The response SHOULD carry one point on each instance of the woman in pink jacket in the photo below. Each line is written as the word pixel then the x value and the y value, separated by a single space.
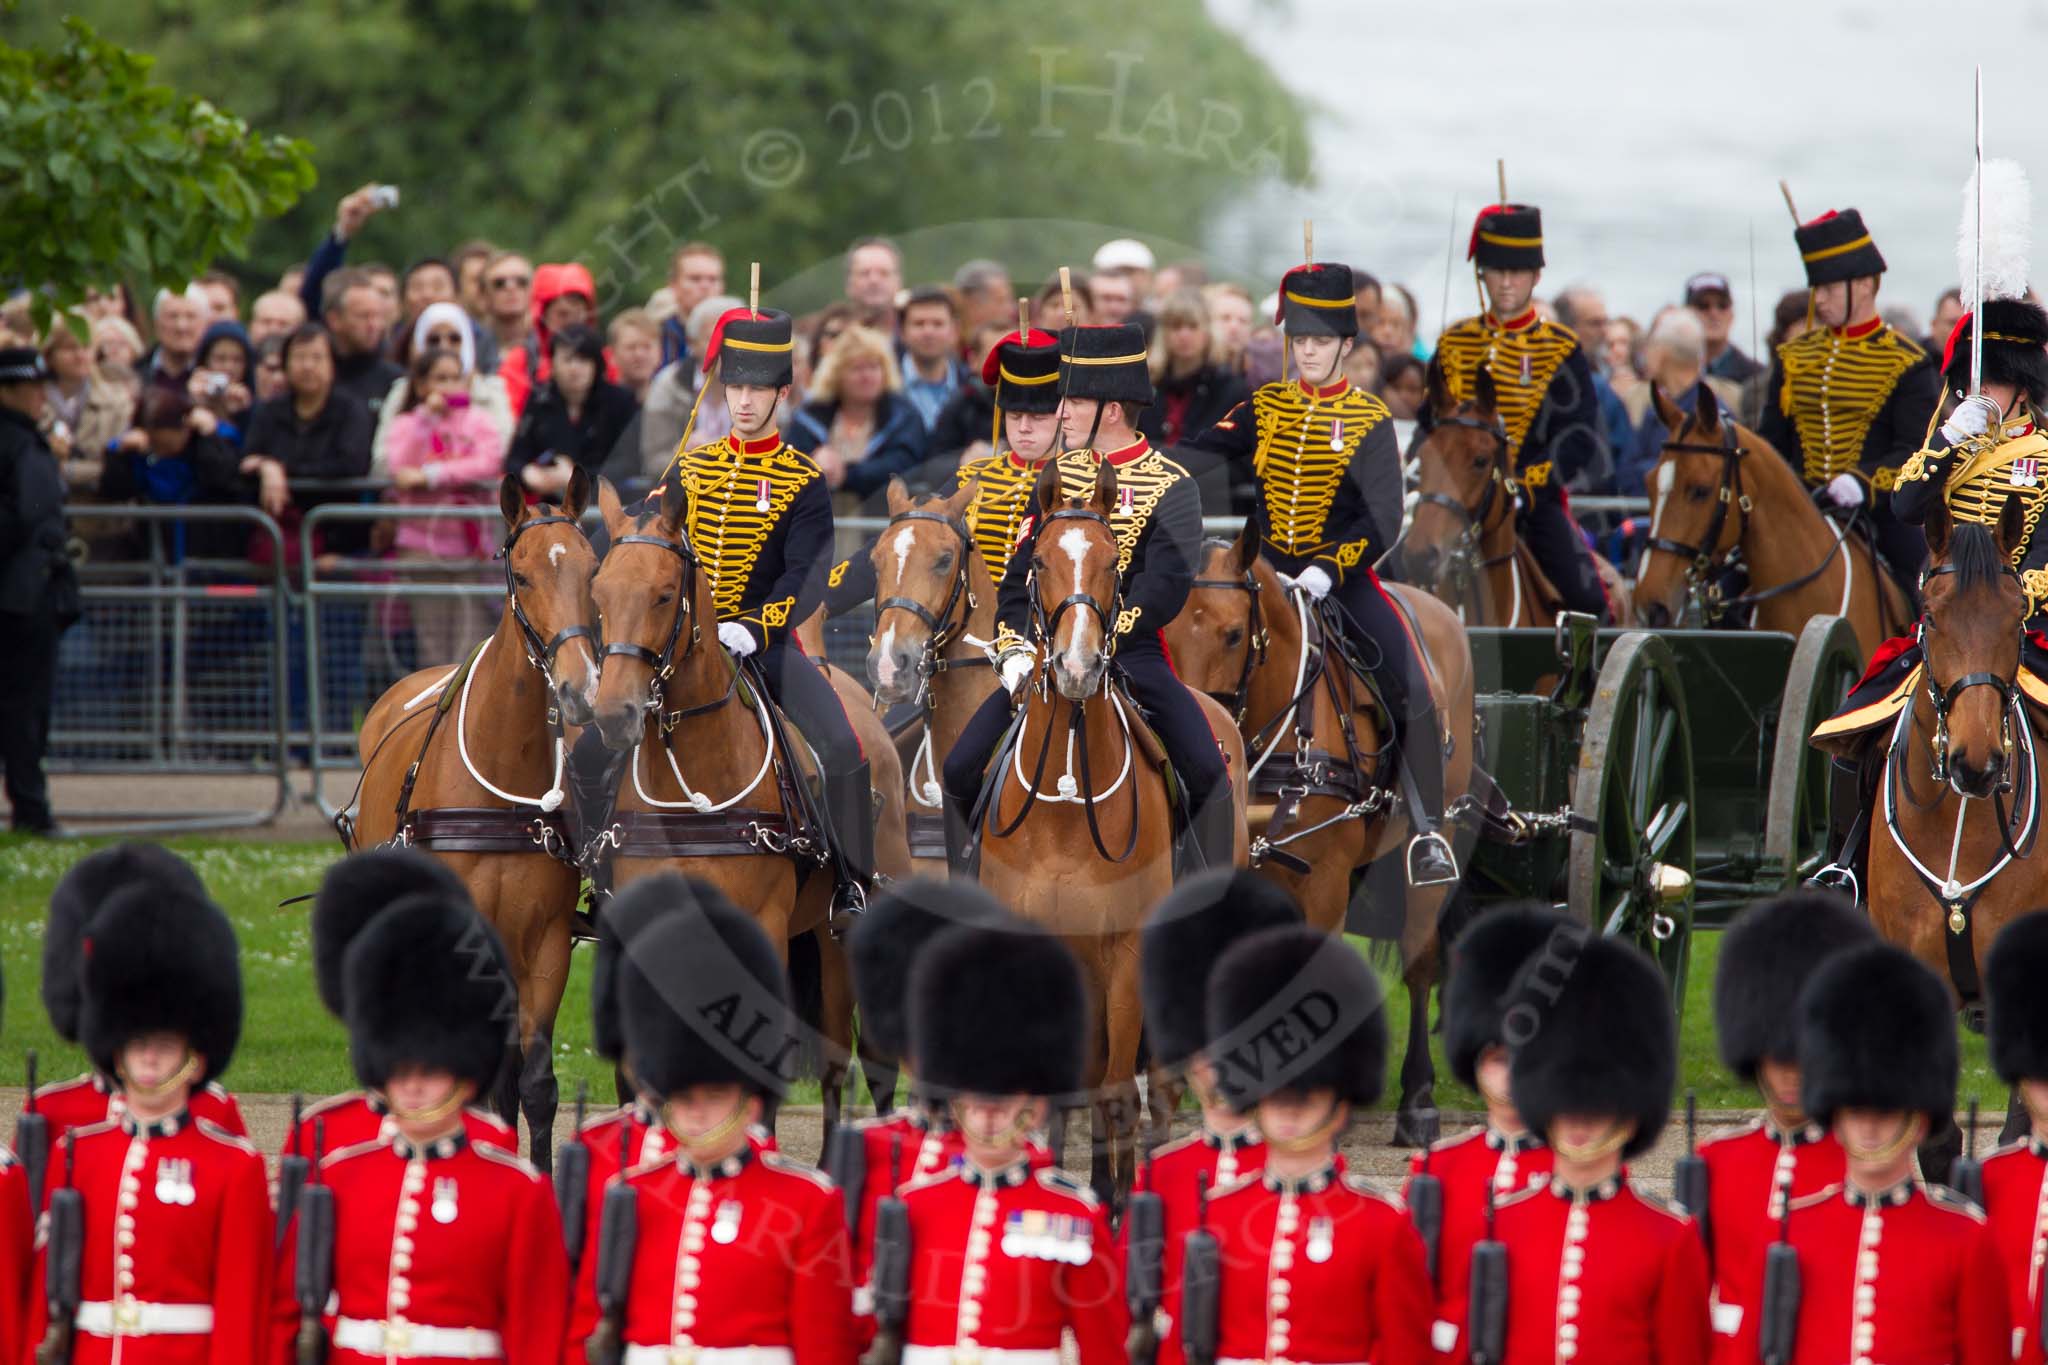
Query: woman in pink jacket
pixel 442 449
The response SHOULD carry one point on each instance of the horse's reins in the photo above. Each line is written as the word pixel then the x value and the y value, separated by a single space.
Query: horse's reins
pixel 539 653
pixel 664 662
pixel 940 626
pixel 1256 640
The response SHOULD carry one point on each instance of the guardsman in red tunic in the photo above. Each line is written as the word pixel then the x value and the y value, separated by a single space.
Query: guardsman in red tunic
pixel 1597 1273
pixel 1502 1157
pixel 2016 1175
pixel 1893 1271
pixel 1183 937
pixel 1002 1259
pixel 17 1224
pixel 1316 1265
pixel 1768 953
pixel 176 1251
pixel 93 1098
pixel 443 1248
pixel 740 1254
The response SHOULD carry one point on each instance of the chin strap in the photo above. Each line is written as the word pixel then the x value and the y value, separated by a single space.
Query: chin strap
pixel 187 1072
pixel 1616 1136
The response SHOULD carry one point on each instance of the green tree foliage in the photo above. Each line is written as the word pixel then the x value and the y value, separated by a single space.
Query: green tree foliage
pixel 778 129
pixel 104 173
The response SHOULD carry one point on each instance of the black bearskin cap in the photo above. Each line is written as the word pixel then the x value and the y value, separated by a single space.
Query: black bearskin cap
pixel 753 348
pixel 1590 1023
pixel 82 891
pixel 2015 335
pixel 1291 1010
pixel 1483 964
pixel 1877 1030
pixel 1768 954
pixel 1024 372
pixel 358 889
pixel 428 984
pixel 704 1000
pixel 1185 935
pixel 1836 246
pixel 1318 301
pixel 888 940
pixel 160 960
pixel 998 1012
pixel 1106 361
pixel 624 917
pixel 2014 973
pixel 1507 237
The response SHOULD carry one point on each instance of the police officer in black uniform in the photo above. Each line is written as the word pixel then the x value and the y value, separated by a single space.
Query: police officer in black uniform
pixel 38 587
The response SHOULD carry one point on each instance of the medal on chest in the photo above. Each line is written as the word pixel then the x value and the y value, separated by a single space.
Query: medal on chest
pixel 1336 433
pixel 1525 367
pixel 1034 1234
pixel 1125 495
pixel 2025 473
pixel 761 494
pixel 174 1181
pixel 725 1224
pixel 1322 1239
pixel 443 1208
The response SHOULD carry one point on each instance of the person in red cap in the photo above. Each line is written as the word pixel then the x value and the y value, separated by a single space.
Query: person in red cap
pixel 1549 409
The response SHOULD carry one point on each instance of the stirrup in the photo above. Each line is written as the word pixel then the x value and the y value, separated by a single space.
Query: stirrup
pixel 1835 877
pixel 849 903
pixel 1426 849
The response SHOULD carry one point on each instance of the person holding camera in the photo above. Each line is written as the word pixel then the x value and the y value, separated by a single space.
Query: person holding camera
pixel 220 381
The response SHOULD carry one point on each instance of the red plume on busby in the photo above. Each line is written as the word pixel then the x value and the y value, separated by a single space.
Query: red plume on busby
pixel 1024 372
pixel 752 347
pixel 90 884
pixel 1507 237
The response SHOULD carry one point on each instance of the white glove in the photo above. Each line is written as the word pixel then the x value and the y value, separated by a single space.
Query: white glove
pixel 1014 667
pixel 736 638
pixel 1972 417
pixel 1845 490
pixel 1314 581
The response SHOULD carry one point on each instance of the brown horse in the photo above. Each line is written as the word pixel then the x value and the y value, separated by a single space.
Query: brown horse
pixel 1078 834
pixel 1719 490
pixel 1244 638
pixel 496 768
pixel 1462 543
pixel 704 791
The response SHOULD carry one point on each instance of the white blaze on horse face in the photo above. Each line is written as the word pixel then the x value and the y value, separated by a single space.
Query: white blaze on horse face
pixel 902 545
pixel 1666 476
pixel 885 659
pixel 555 553
pixel 1074 541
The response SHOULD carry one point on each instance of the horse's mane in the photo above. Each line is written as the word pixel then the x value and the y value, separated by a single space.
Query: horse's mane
pixel 1974 554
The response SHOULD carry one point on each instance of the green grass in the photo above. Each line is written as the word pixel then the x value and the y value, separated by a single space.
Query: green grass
pixel 290 1043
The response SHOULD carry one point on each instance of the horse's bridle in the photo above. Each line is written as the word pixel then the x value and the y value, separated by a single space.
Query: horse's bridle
pixel 1238 699
pixel 940 626
pixel 664 663
pixel 1943 699
pixel 1463 561
pixel 1048 626
pixel 1700 558
pixel 539 653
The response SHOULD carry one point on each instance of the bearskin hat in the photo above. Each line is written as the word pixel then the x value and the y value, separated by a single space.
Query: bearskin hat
pixel 1770 952
pixel 704 1000
pixel 1105 361
pixel 82 891
pixel 2015 348
pixel 1319 301
pixel 1299 980
pixel 1590 1023
pixel 752 347
pixel 624 918
pixel 1876 1031
pixel 1507 237
pixel 998 1011
pixel 2018 1025
pixel 427 983
pixel 358 889
pixel 1024 372
pixel 1836 246
pixel 1484 960
pixel 161 960
pixel 887 941
pixel 1185 935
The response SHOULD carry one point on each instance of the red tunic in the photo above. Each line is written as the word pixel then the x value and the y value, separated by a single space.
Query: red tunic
pixel 1006 1259
pixel 86 1100
pixel 1602 1278
pixel 1319 1269
pixel 177 1227
pixel 456 1235
pixel 1906 1277
pixel 1473 1167
pixel 750 1253
pixel 898 1148
pixel 2016 1203
pixel 1179 1173
pixel 16 1254
pixel 1747 1173
pixel 349 1120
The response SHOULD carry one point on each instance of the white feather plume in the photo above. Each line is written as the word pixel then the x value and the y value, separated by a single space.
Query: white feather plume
pixel 2008 231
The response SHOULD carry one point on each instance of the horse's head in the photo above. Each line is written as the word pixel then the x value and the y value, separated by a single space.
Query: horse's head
pixel 646 593
pixel 1970 636
pixel 1694 510
pixel 548 568
pixel 1462 470
pixel 1219 638
pixel 922 563
pixel 1074 576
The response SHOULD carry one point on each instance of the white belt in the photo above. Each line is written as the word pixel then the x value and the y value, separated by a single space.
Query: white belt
pixel 1727 1317
pixel 979 1355
pixel 416 1341
pixel 709 1355
pixel 1443 1336
pixel 132 1319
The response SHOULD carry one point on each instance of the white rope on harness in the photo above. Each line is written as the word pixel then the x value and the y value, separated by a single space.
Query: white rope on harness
pixel 549 800
pixel 1951 889
pixel 1515 590
pixel 433 689
pixel 1069 792
pixel 696 800
pixel 1848 574
pixel 1299 596
pixel 924 787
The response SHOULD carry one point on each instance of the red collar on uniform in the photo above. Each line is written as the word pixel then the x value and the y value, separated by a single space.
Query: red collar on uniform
pixel 1859 331
pixel 1016 462
pixel 1123 457
pixel 1517 324
pixel 756 447
pixel 1327 391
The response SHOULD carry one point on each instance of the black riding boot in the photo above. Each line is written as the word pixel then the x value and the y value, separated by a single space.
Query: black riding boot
pixel 1212 827
pixel 850 805
pixel 963 850
pixel 1854 784
pixel 1431 860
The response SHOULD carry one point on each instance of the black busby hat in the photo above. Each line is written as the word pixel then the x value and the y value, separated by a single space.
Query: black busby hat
pixel 998 1011
pixel 1105 362
pixel 1768 954
pixel 752 346
pixel 704 1001
pixel 358 889
pixel 1181 941
pixel 1507 237
pixel 89 884
pixel 887 941
pixel 22 365
pixel 1318 301
pixel 1298 981
pixel 624 918
pixel 1590 1023
pixel 427 983
pixel 161 961
pixel 2015 348
pixel 1836 246
pixel 1484 960
pixel 1024 372
pixel 2018 1025
pixel 1876 1031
